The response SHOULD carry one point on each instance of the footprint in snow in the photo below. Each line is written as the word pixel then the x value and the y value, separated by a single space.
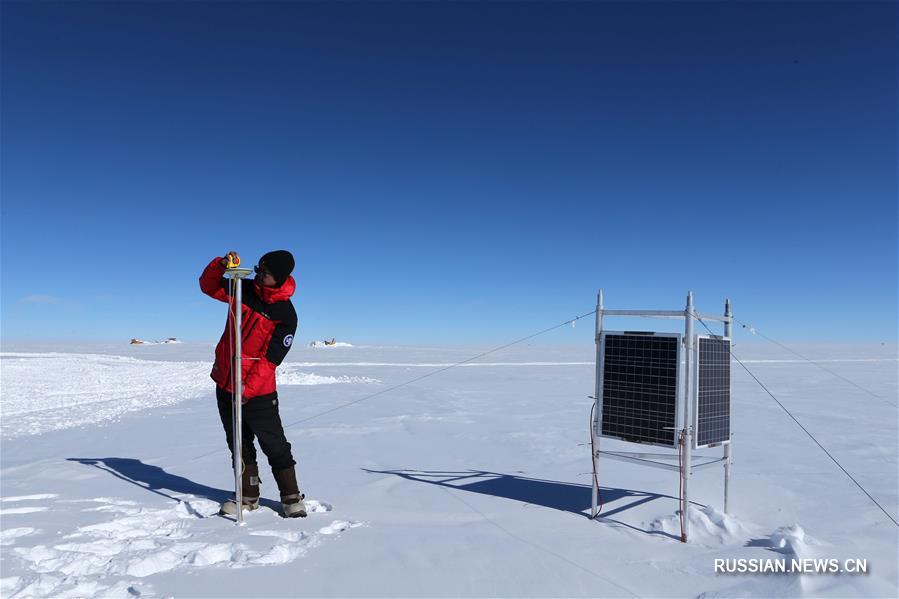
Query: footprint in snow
pixel 313 506
pixel 338 526
pixel 140 541
pixel 288 535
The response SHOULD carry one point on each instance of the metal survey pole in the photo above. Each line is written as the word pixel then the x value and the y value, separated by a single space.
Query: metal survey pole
pixel 688 399
pixel 728 460
pixel 236 274
pixel 597 407
pixel 236 404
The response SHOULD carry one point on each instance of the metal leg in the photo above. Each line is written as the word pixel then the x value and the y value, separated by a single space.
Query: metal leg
pixel 728 459
pixel 727 465
pixel 597 410
pixel 688 399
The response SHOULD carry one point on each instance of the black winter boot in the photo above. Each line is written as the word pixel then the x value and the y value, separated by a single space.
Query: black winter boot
pixel 249 489
pixel 291 499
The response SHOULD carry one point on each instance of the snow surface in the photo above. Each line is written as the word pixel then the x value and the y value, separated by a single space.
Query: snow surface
pixel 50 391
pixel 472 482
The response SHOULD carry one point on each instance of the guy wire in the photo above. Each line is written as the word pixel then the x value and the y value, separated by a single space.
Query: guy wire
pixel 424 376
pixel 755 331
pixel 438 371
pixel 805 430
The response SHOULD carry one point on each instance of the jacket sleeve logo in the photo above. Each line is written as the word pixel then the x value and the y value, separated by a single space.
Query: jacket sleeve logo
pixel 288 340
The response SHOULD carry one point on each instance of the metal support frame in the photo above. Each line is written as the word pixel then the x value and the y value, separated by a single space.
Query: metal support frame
pixel 597 409
pixel 642 459
pixel 690 387
pixel 236 274
pixel 687 436
pixel 728 458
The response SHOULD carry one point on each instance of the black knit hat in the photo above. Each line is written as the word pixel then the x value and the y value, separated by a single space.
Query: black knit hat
pixel 280 263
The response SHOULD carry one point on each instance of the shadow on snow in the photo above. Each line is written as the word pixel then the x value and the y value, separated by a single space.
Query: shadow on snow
pixel 565 497
pixel 156 480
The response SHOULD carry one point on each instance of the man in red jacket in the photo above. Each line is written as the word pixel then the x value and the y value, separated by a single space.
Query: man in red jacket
pixel 268 324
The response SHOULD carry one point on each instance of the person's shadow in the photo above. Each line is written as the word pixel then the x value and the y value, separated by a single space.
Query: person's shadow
pixel 156 480
pixel 567 497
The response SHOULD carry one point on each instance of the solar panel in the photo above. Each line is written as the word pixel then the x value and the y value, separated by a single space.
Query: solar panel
pixel 712 413
pixel 639 386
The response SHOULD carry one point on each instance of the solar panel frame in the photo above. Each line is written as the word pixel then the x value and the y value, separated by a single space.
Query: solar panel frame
pixel 711 429
pixel 610 416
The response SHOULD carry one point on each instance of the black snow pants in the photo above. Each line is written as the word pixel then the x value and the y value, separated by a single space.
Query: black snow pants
pixel 262 421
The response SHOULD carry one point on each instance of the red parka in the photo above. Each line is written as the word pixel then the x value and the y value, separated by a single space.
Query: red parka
pixel 268 324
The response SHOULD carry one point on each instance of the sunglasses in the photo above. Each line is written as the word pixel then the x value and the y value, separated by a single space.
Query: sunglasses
pixel 261 270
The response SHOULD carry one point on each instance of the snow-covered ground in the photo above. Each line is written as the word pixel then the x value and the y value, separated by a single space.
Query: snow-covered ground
pixel 471 482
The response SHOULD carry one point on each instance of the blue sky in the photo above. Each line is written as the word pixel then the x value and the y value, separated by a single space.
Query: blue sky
pixel 450 172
